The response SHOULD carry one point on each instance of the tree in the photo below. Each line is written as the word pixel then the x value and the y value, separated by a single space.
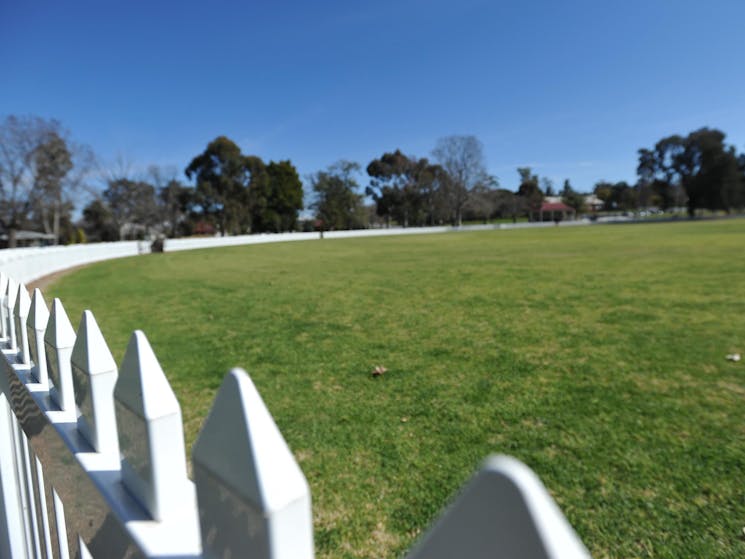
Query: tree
pixel 176 201
pixel 462 159
pixel 276 195
pixel 41 171
pixel 548 186
pixel 337 203
pixel 222 176
pixel 404 188
pixel 699 164
pixel 529 190
pixel 709 172
pixel 132 206
pixel 52 162
pixel 617 196
pixel 287 193
pixel 98 222
pixel 572 198
pixel 483 202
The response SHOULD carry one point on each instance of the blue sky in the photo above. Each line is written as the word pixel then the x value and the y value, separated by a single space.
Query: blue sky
pixel 571 88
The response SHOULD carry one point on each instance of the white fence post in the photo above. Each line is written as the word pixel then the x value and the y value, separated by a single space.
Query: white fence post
pixel 59 340
pixel 12 540
pixel 21 310
pixel 3 311
pixel 504 511
pixel 151 433
pixel 94 376
pixel 9 302
pixel 253 498
pixel 36 326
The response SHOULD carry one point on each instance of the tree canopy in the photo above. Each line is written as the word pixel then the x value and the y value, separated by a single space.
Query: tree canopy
pixel 337 204
pixel 404 188
pixel 221 177
pixel 241 193
pixel 700 164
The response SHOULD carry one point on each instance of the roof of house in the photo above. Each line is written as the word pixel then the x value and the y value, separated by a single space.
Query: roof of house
pixel 23 235
pixel 555 207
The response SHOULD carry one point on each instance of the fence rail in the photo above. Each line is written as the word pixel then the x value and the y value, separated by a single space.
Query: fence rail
pixel 28 264
pixel 92 462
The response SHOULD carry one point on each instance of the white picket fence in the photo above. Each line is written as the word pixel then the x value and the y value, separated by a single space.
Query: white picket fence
pixel 27 264
pixel 92 463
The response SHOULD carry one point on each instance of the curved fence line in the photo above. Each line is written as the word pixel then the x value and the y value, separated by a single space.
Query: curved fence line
pixel 29 264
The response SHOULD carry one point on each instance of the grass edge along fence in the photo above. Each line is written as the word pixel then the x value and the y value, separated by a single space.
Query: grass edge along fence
pixel 32 263
pixel 92 462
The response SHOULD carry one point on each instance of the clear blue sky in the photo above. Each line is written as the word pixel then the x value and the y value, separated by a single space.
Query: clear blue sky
pixel 572 88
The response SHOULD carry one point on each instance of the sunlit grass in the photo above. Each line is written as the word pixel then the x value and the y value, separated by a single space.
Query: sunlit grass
pixel 595 355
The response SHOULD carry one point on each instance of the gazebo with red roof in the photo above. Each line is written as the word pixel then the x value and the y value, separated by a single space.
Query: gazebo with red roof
pixel 555 211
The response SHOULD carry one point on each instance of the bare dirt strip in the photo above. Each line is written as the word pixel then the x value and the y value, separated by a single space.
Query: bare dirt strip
pixel 45 281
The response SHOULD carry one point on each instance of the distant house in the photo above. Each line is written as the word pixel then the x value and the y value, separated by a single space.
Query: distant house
pixel 28 239
pixel 593 203
pixel 553 211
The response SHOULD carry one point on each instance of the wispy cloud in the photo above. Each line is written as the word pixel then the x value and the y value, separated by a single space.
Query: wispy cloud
pixel 280 129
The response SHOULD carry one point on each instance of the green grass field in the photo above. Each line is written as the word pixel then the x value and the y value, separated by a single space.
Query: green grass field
pixel 596 355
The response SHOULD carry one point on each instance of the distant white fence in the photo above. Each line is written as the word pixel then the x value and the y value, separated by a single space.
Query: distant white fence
pixel 28 264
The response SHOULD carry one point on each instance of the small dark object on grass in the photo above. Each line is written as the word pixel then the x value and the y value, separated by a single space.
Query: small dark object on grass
pixel 157 245
pixel 379 370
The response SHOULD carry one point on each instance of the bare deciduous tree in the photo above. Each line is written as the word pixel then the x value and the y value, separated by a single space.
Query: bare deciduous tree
pixel 41 173
pixel 462 158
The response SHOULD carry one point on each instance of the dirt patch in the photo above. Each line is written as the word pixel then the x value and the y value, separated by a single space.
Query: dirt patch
pixel 45 281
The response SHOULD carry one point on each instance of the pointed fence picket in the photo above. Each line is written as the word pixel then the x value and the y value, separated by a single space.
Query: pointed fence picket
pixel 92 463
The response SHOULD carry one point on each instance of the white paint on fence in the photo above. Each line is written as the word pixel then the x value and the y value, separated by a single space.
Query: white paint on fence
pixel 526 524
pixel 269 499
pixel 94 377
pixel 9 302
pixel 92 463
pixel 28 264
pixel 21 310
pixel 59 340
pixel 36 326
pixel 151 433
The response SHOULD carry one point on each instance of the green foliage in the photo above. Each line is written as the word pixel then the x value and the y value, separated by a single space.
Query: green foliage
pixel 617 196
pixel 241 193
pixel 405 189
pixel 572 198
pixel 98 222
pixel 284 198
pixel 701 165
pixel 338 204
pixel 529 190
pixel 595 355
pixel 222 179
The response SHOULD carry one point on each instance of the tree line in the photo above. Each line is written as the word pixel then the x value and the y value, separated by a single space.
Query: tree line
pixel 45 176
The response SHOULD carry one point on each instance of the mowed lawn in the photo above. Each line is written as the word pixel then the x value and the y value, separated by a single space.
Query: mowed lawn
pixel 596 355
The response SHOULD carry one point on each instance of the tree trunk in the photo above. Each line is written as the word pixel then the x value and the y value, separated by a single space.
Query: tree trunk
pixel 12 243
pixel 56 222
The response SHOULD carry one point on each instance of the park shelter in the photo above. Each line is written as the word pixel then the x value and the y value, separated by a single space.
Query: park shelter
pixel 28 239
pixel 554 211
